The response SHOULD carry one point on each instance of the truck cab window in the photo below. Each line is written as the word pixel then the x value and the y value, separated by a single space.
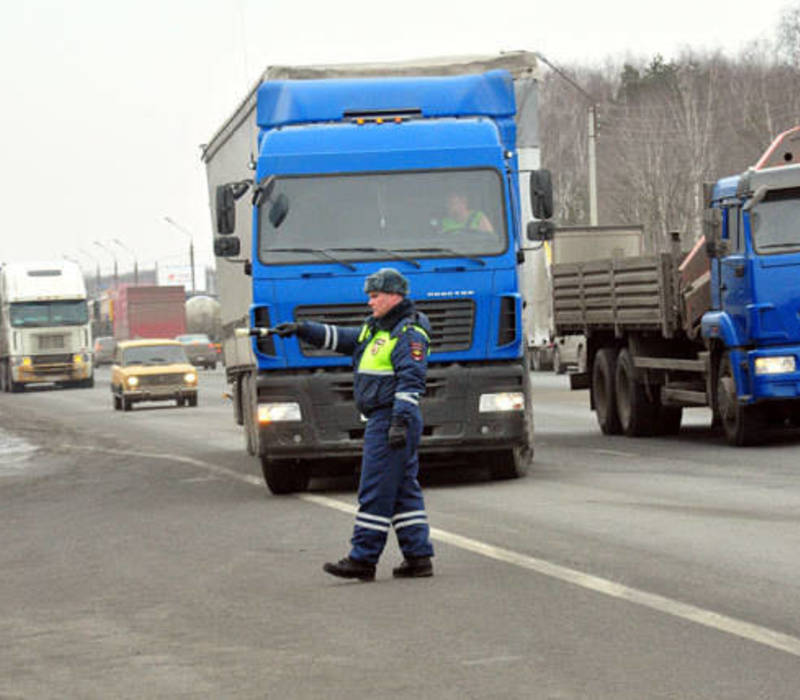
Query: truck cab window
pixel 774 223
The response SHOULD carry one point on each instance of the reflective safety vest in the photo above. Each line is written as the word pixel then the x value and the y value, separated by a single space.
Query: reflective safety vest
pixel 472 222
pixel 376 358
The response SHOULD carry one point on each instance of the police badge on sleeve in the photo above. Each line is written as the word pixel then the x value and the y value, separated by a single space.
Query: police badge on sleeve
pixel 417 351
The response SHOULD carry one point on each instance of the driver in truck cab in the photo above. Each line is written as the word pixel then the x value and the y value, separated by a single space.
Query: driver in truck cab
pixel 390 357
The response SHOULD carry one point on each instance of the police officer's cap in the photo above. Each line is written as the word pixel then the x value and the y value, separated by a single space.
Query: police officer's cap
pixel 388 280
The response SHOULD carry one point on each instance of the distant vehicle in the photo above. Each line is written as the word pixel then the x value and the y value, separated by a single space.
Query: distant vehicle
pixel 152 370
pixel 149 312
pixel 199 349
pixel 104 350
pixel 569 351
pixel 45 334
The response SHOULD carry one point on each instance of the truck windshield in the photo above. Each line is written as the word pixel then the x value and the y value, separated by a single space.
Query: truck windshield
pixel 775 222
pixel 48 313
pixel 383 216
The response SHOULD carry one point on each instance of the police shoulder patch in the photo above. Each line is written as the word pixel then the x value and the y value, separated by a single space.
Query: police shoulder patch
pixel 417 351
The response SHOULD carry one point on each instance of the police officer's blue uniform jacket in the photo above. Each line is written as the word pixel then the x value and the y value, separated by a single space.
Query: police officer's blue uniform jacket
pixel 390 357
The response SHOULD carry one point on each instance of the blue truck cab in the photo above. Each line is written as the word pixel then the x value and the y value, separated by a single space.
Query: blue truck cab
pixel 754 321
pixel 352 175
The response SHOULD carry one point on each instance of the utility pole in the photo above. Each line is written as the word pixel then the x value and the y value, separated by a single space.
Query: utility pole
pixel 114 258
pixel 592 139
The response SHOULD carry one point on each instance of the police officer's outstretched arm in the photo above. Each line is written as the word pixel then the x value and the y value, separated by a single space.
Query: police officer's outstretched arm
pixel 341 339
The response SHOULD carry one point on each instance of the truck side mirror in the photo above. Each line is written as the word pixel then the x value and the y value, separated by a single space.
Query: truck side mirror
pixel 541 194
pixel 228 247
pixel 226 210
pixel 712 231
pixel 540 230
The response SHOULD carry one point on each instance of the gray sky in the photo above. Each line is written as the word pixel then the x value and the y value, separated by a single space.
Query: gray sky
pixel 105 102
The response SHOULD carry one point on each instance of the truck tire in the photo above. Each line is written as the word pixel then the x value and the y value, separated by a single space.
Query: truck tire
pixel 127 404
pixel 116 401
pixel 509 464
pixel 237 400
pixel 603 391
pixel 249 418
pixel 284 476
pixel 637 414
pixel 743 425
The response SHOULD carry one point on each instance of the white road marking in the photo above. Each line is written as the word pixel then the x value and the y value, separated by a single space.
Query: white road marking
pixel 617 453
pixel 707 618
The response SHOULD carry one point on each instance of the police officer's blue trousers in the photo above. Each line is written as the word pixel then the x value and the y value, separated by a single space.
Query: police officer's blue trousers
pixel 389 494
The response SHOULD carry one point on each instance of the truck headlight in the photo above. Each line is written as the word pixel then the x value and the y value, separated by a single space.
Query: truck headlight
pixel 190 377
pixel 80 358
pixel 505 401
pixel 279 412
pixel 784 364
pixel 133 381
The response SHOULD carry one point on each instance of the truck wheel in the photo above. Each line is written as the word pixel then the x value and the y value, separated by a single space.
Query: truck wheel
pixel 285 475
pixel 558 366
pixel 637 415
pixel 117 402
pixel 249 418
pixel 743 425
pixel 603 392
pixel 192 400
pixel 127 404
pixel 236 388
pixel 509 464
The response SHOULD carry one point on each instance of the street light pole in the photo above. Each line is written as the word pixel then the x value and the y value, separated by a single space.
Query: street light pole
pixel 114 258
pixel 135 261
pixel 191 245
pixel 97 270
pixel 592 139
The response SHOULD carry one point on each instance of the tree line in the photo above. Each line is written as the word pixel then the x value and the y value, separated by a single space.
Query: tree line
pixel 665 127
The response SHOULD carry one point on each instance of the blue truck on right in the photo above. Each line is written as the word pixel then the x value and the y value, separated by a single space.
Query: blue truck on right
pixel 718 326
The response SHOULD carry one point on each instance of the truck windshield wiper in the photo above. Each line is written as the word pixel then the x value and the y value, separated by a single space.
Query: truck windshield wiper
pixel 388 251
pixel 452 252
pixel 313 251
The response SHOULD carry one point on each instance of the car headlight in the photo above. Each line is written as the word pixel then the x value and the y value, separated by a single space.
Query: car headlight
pixel 783 364
pixel 505 401
pixel 133 381
pixel 278 412
pixel 190 377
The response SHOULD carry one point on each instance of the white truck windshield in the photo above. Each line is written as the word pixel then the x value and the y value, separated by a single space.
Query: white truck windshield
pixel 48 313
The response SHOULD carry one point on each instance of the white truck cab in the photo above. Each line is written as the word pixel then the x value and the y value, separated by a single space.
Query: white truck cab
pixel 45 334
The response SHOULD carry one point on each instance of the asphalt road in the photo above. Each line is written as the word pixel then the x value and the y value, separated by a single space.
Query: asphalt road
pixel 143 557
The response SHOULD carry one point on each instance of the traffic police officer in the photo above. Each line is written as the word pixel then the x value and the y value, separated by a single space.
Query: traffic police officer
pixel 390 357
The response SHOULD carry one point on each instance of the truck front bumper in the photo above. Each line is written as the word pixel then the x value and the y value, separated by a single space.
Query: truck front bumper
pixel 770 386
pixel 331 426
pixel 37 373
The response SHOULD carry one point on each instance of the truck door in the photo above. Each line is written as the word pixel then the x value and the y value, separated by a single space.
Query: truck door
pixel 734 278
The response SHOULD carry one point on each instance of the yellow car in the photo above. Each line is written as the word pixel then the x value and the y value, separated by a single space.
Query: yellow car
pixel 152 370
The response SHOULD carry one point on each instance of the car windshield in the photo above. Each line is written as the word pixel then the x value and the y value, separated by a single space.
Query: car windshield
pixel 384 216
pixel 775 223
pixel 49 313
pixel 196 338
pixel 153 355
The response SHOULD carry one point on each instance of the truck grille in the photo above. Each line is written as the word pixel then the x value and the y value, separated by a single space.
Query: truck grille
pixel 55 341
pixel 52 359
pixel 452 322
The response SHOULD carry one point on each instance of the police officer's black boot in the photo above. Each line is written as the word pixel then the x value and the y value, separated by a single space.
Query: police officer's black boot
pixel 351 568
pixel 414 567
